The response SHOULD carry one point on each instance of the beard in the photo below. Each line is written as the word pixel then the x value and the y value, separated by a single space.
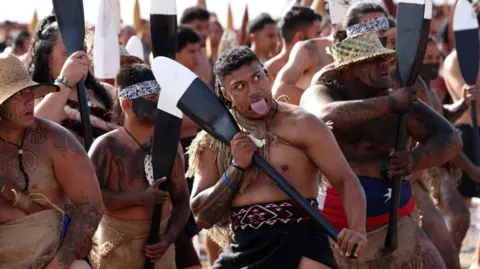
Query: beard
pixel 145 110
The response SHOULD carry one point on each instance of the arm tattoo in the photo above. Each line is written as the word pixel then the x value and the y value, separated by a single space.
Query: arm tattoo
pixel 101 161
pixel 440 142
pixel 64 141
pixel 345 114
pixel 77 243
pixel 210 204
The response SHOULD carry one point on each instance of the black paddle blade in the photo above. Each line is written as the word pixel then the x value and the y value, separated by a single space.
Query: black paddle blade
pixel 163 25
pixel 465 27
pixel 71 22
pixel 410 33
pixel 183 91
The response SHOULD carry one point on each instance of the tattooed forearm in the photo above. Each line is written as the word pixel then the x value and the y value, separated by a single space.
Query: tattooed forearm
pixel 440 142
pixel 345 114
pixel 210 204
pixel 454 111
pixel 77 243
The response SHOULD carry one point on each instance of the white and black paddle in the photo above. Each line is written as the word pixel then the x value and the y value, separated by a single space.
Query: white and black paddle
pixel 166 133
pixel 71 22
pixel 183 92
pixel 413 23
pixel 465 29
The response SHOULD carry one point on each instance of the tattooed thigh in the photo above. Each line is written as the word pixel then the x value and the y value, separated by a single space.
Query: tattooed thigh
pixel 428 256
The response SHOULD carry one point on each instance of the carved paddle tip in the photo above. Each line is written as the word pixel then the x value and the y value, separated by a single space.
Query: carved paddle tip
pixel 174 79
pixel 163 7
pixel 464 17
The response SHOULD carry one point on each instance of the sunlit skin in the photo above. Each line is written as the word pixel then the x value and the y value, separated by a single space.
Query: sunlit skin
pixel 188 56
pixel 432 54
pixel 215 34
pixel 17 111
pixel 245 86
pixel 265 41
pixel 202 28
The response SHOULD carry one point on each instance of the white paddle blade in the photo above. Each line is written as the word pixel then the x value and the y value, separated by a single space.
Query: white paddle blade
pixel 174 79
pixel 135 47
pixel 106 51
pixel 163 7
pixel 116 14
pixel 338 9
pixel 418 2
pixel 428 10
pixel 464 17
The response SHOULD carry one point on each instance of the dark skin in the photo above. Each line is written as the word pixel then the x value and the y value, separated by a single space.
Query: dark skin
pixel 57 166
pixel 299 162
pixel 119 163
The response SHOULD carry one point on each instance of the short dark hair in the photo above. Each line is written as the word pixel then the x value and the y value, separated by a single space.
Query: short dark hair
pixel 127 76
pixel 186 35
pixel 259 22
pixel 297 18
pixel 361 8
pixel 194 13
pixel 20 38
pixel 229 61
pixel 392 23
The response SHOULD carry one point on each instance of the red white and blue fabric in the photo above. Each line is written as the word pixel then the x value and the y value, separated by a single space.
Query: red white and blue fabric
pixel 378 193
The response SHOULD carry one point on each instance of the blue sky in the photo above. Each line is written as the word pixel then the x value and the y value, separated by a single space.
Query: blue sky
pixel 22 10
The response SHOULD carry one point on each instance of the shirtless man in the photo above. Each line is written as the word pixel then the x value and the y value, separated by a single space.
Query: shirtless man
pixel 46 179
pixel 354 95
pixel 297 145
pixel 121 158
pixel 299 24
pixel 199 19
pixel 264 36
pixel 307 58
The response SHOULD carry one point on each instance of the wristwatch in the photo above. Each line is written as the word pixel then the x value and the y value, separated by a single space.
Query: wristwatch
pixel 64 81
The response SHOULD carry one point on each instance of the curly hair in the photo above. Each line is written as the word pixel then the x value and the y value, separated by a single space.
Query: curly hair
pixel 38 62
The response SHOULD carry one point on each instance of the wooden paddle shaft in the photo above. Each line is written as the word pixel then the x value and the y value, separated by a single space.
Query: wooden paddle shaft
pixel 84 115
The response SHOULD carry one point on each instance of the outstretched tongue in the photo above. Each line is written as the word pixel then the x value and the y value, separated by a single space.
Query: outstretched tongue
pixel 260 107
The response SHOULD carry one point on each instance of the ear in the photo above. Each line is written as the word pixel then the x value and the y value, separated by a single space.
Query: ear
pixel 225 94
pixel 299 36
pixel 126 106
pixel 253 37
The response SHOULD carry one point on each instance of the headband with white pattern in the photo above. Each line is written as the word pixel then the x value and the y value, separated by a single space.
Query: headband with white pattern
pixel 140 89
pixel 373 25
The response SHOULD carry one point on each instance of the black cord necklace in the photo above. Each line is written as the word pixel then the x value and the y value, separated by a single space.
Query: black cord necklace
pixel 20 158
pixel 144 149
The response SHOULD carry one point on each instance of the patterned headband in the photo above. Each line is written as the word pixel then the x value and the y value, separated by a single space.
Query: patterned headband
pixel 140 89
pixel 373 25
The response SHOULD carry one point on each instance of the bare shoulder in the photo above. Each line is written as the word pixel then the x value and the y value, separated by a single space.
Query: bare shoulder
pixel 451 60
pixel 60 139
pixel 104 141
pixel 318 95
pixel 301 119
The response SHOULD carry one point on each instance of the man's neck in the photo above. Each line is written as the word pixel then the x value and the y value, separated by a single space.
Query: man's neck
pixel 286 49
pixel 262 55
pixel 9 132
pixel 141 132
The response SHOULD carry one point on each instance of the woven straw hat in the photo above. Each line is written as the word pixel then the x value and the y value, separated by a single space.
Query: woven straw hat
pixel 355 49
pixel 14 78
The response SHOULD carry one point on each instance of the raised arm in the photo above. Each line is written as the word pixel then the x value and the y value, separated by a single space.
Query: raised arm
pixel 440 142
pixel 323 150
pixel 287 78
pixel 327 105
pixel 76 176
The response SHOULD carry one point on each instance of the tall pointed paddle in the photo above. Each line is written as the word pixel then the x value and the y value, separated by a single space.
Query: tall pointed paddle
pixel 71 22
pixel 183 91
pixel 465 27
pixel 413 22
pixel 166 133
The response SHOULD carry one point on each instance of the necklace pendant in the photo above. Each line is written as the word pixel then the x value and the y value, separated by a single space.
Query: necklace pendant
pixel 89 104
pixel 20 151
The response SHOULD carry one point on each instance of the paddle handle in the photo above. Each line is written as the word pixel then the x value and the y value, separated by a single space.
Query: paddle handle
pixel 84 114
pixel 298 198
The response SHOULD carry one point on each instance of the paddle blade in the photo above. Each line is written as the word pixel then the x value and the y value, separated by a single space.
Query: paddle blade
pixel 183 91
pixel 106 51
pixel 71 22
pixel 465 27
pixel 135 47
pixel 412 34
pixel 163 25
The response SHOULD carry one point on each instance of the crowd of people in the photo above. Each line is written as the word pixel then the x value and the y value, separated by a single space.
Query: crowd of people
pixel 323 99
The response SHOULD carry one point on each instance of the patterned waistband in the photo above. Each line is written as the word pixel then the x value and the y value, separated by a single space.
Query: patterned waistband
pixel 269 214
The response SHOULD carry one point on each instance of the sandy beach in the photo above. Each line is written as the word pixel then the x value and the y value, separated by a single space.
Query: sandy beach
pixel 473 235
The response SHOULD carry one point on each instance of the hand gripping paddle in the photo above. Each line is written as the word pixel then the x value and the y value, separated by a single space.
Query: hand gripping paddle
pixel 183 91
pixel 413 23
pixel 71 22
pixel 465 29
pixel 166 133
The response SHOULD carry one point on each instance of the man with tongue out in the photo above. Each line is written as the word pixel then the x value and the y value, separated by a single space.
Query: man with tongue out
pixel 269 230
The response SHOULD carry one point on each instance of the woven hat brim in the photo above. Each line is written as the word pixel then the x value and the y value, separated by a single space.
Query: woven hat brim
pixel 39 90
pixel 330 72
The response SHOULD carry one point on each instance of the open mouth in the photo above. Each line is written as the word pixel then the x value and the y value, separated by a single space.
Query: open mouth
pixel 259 106
pixel 29 114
